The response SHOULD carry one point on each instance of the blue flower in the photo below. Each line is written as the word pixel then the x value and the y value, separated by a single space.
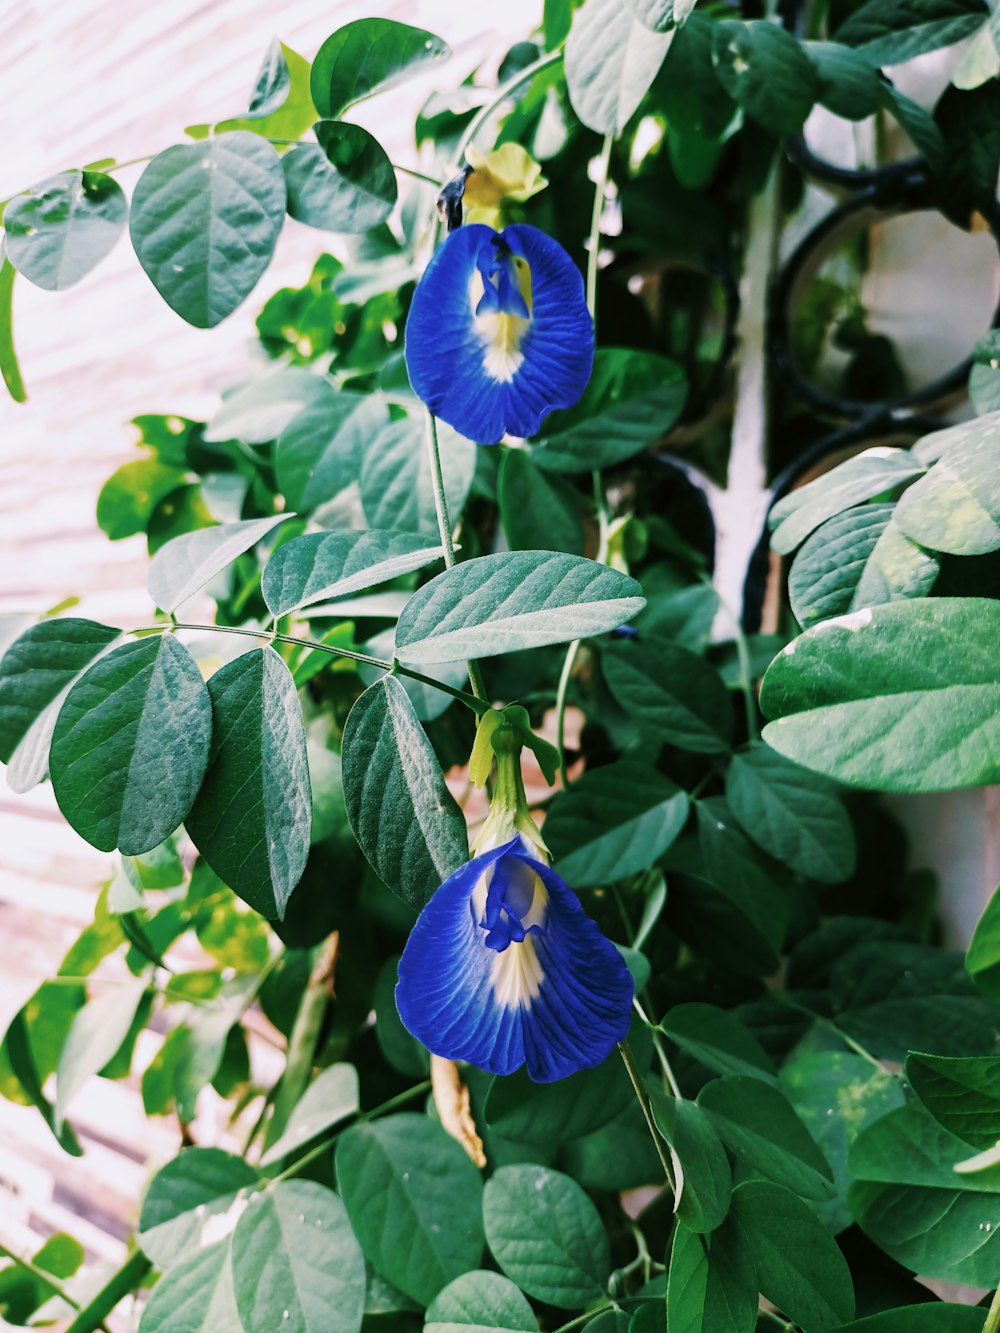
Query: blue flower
pixel 499 333
pixel 504 968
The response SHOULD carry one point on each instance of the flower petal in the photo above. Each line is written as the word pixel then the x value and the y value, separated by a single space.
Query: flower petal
pixel 487 391
pixel 584 1004
pixel 445 994
pixel 559 999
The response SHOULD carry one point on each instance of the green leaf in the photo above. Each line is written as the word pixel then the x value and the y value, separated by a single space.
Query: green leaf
pixel 799 1267
pixel 415 1201
pixel 397 488
pixel 333 564
pixel 9 368
pixel 956 507
pixel 852 483
pixel 537 512
pixel 546 1235
pixel 367 57
pixel 792 814
pixel 272 84
pixel 631 400
pixel 36 673
pixel 320 449
pixel 513 600
pixel 757 1123
pixel 131 494
pixel 908 1198
pixel 689 90
pixel 98 1030
pixel 185 564
pixel 982 961
pixel 547 1113
pixel 205 221
pixel 296 1263
pixel 836 1095
pixel 827 569
pixel 705 1178
pixel 331 1097
pixel 670 690
pixel 195 1296
pixel 344 183
pixel 23 1045
pixel 984 377
pixel 718 1040
pixel 890 32
pixel 731 860
pixel 260 409
pixel 480 1302
pixel 64 227
pixel 849 85
pixel 252 817
pixel 961 1093
pixel 711 1282
pixel 292 117
pixel 894 996
pixel 185 1199
pixel 660 15
pixel 767 72
pixel 613 822
pixel 130 745
pixel 903 697
pixel 404 818
pixel 966 175
pixel 931 1317
pixel 611 61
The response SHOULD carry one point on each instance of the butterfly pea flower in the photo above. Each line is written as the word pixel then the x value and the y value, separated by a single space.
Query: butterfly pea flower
pixel 504 968
pixel 499 333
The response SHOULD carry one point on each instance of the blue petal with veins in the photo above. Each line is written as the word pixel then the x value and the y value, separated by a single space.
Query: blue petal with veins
pixel 499 334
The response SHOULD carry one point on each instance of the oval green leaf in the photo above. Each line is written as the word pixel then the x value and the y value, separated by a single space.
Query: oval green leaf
pixel 272 84
pixel 404 818
pixel 185 564
pixel 367 57
pixel 767 72
pixel 632 399
pixel 513 600
pixel 611 61
pixel 415 1201
pixel 904 697
pixel 98 1030
pixel 955 508
pixel 344 183
pixel 757 1123
pixel 36 673
pixel 546 1235
pixel 670 690
pixel 799 1265
pixel 205 220
pixel 397 488
pixel 712 1282
pixel 296 1263
pixel 793 814
pixel 613 822
pixel 480 1302
pixel 64 227
pixel 185 1197
pixel 196 1296
pixel 705 1176
pixel 130 745
pixel 252 818
pixel 320 449
pixel 333 564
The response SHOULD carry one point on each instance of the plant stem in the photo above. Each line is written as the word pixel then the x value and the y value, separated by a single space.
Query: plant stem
pixel 845 1037
pixel 600 188
pixel 668 1073
pixel 992 1324
pixel 417 175
pixel 304 1039
pixel 393 668
pixel 584 1318
pixel 40 1275
pixel 127 1278
pixel 444 528
pixel 647 1111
